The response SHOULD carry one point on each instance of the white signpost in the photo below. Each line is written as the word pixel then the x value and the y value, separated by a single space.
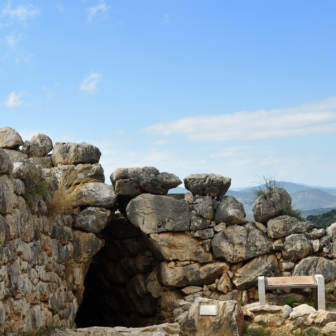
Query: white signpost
pixel 208 310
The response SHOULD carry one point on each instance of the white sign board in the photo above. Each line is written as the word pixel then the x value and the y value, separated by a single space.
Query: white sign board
pixel 208 310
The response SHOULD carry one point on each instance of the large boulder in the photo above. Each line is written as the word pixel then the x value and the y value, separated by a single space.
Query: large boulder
pixel 40 145
pixel 7 195
pixel 73 153
pixel 230 211
pixel 178 246
pixel 191 275
pixel 6 165
pixel 316 265
pixel 297 246
pixel 135 181
pixel 9 138
pixel 97 194
pixel 203 205
pixel 86 245
pixel 237 243
pixel 16 155
pixel 92 219
pixel 156 213
pixel 269 206
pixel 229 319
pixel 76 174
pixel 207 184
pixel 286 225
pixel 247 276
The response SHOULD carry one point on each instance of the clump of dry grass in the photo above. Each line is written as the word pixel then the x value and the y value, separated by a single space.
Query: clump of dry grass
pixel 68 193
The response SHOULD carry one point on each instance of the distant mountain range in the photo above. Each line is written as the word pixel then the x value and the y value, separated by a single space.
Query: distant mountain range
pixel 311 200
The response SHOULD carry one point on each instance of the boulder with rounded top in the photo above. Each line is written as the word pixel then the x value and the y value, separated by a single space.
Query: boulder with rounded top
pixel 230 211
pixel 40 145
pixel 9 138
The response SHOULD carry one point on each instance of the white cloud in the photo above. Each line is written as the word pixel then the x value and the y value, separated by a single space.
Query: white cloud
pixel 21 12
pixel 92 11
pixel 89 84
pixel 310 119
pixel 14 100
pixel 60 9
pixel 13 39
pixel 165 19
pixel 161 142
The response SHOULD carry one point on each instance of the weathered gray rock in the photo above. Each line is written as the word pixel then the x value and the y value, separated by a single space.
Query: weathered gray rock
pixel 316 234
pixel 230 211
pixel 203 205
pixel 247 276
pixel 40 145
pixel 266 208
pixel 190 275
pixel 213 185
pixel 204 234
pixel 65 153
pixel 297 246
pixel 76 174
pixel 16 155
pixel 178 246
pixel 97 194
pixel 6 165
pixel 92 219
pixel 86 245
pixel 285 225
pixel 331 231
pixel 224 284
pixel 9 138
pixel 198 223
pixel 135 181
pixel 237 243
pixel 229 320
pixel 156 213
pixel 316 265
pixel 7 195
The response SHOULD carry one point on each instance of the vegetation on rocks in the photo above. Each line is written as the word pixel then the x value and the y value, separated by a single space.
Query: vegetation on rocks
pixel 324 220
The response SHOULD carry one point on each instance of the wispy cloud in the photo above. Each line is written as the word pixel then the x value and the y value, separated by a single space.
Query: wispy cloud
pixel 13 39
pixel 165 19
pixel 309 119
pixel 89 84
pixel 14 99
pixel 21 12
pixel 60 9
pixel 23 59
pixel 100 8
pixel 161 142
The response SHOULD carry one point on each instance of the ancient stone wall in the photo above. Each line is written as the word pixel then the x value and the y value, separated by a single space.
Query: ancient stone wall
pixel 130 254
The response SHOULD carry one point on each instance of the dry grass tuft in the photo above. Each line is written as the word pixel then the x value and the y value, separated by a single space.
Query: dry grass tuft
pixel 68 193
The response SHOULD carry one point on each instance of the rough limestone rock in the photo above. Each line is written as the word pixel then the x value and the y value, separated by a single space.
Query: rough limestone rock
pixel 316 234
pixel 76 174
pixel 316 265
pixel 7 195
pixel 135 181
pixel 16 155
pixel 178 246
pixel 86 245
pixel 73 153
pixel 229 320
pixel 166 329
pixel 198 223
pixel 237 243
pixel 224 284
pixel 190 275
pixel 9 138
pixel 6 165
pixel 156 213
pixel 97 194
pixel 40 145
pixel 297 246
pixel 266 208
pixel 286 225
pixel 168 301
pixel 92 219
pixel 230 211
pixel 203 205
pixel 213 185
pixel 247 276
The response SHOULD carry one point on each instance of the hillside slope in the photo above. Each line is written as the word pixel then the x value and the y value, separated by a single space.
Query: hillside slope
pixel 312 199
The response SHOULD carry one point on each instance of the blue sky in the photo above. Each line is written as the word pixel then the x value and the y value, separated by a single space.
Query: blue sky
pixel 242 88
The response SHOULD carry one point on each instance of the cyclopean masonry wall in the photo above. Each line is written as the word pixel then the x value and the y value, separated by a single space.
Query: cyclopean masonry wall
pixel 133 255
